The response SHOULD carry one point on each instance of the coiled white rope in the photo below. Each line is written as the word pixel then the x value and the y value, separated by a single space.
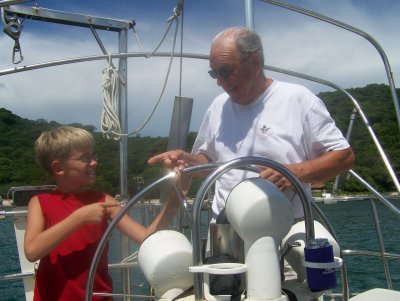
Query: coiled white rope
pixel 110 124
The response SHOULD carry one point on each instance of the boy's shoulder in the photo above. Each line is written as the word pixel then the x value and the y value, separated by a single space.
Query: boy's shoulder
pixel 85 197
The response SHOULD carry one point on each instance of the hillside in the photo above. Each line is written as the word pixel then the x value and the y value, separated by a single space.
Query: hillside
pixel 17 136
pixel 377 104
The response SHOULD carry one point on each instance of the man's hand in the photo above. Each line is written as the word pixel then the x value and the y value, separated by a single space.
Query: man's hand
pixel 275 177
pixel 278 179
pixel 175 160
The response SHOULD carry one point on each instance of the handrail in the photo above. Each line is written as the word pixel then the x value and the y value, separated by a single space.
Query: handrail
pixel 16 276
pixel 376 193
pixel 381 245
pixel 13 213
pixel 371 253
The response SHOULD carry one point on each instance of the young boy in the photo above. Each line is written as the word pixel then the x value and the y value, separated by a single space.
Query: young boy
pixel 65 226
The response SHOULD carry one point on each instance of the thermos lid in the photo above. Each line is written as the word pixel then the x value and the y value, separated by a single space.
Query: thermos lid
pixel 318 243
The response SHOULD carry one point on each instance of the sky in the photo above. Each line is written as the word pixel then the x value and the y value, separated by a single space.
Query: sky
pixel 73 93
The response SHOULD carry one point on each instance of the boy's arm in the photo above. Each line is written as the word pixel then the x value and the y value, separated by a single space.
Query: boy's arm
pixel 137 232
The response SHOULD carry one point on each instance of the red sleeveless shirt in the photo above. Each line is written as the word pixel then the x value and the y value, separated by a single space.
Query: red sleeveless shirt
pixel 63 274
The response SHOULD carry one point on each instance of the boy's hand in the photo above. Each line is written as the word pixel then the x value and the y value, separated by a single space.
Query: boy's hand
pixel 95 213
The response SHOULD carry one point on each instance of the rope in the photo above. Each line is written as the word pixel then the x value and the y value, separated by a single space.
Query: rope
pixel 110 125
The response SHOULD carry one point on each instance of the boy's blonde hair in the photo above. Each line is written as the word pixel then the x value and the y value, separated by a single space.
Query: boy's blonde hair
pixel 59 143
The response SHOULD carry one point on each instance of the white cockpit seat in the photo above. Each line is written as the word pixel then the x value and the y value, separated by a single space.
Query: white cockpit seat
pixel 377 294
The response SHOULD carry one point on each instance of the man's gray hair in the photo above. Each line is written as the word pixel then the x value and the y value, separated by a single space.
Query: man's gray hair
pixel 247 41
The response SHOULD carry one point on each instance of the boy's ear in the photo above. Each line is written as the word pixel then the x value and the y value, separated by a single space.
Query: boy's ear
pixel 57 167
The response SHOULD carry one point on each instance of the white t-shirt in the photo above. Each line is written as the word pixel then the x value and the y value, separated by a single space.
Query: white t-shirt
pixel 287 123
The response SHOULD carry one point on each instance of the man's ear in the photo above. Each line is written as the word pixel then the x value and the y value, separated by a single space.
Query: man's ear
pixel 255 61
pixel 57 167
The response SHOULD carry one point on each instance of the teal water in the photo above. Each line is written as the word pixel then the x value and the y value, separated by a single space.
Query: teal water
pixel 353 226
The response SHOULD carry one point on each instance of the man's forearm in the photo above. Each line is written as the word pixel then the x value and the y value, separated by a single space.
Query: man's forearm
pixel 325 167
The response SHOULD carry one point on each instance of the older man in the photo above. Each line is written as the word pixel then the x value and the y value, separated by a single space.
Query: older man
pixel 260 116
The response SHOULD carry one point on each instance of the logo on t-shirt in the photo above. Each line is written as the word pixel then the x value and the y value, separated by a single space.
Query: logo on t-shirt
pixel 264 131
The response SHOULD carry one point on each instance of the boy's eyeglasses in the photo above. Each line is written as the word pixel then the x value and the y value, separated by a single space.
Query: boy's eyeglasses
pixel 86 158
